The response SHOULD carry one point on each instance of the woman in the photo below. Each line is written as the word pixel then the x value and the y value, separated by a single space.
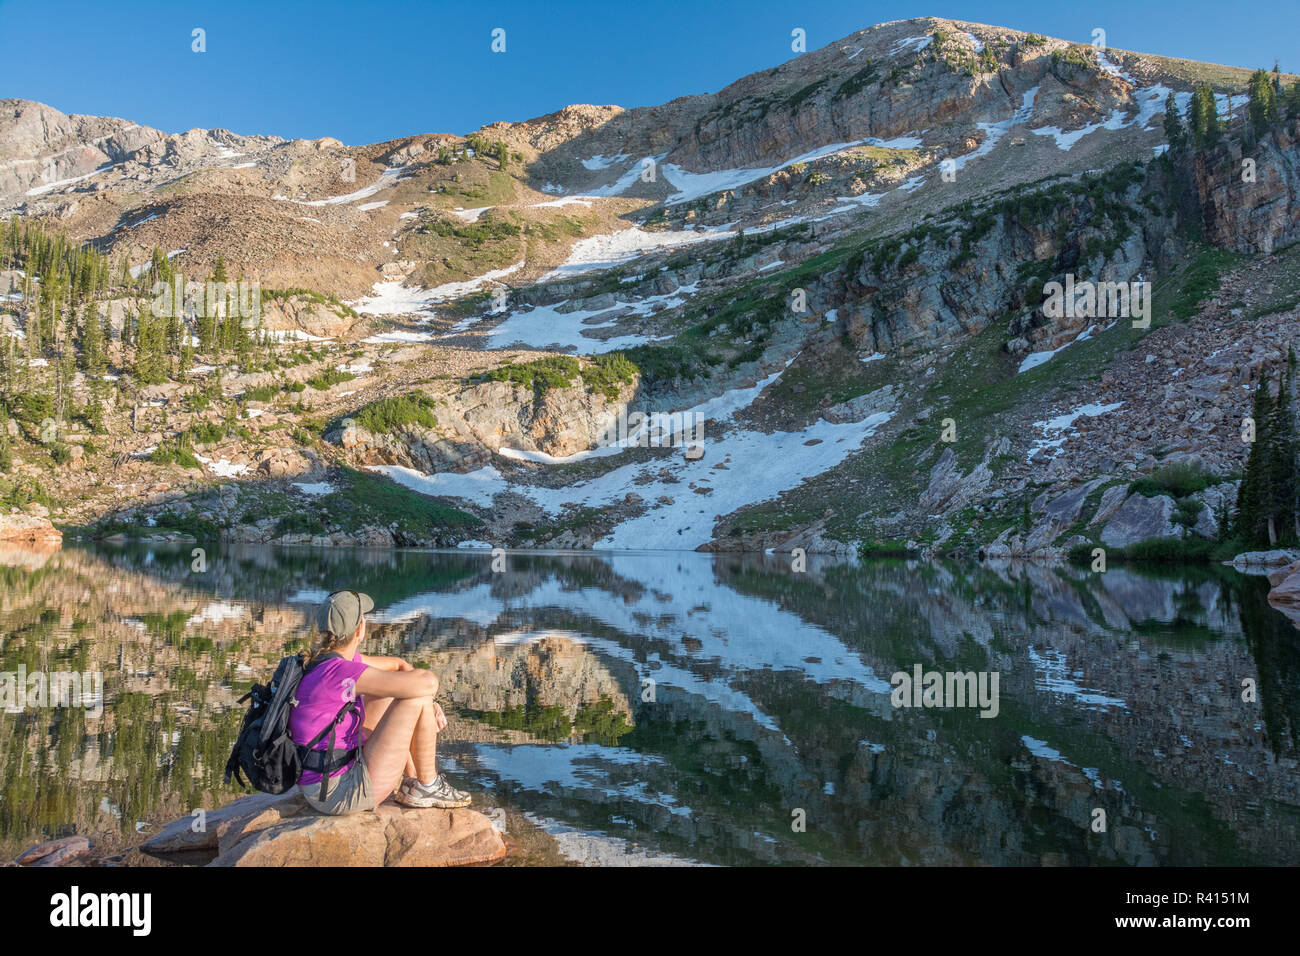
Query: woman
pixel 393 729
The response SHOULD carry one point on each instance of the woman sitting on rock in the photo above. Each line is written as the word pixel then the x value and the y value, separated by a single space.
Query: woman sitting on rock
pixel 394 729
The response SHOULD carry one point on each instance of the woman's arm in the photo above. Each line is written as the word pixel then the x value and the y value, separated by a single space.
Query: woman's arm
pixel 385 663
pixel 376 682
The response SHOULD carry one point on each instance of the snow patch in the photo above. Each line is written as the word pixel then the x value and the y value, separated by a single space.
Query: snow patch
pixel 1056 431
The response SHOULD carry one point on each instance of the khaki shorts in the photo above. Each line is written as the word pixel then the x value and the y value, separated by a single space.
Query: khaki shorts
pixel 349 792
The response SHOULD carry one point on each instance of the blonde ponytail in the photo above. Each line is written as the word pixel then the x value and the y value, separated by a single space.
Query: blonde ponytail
pixel 323 642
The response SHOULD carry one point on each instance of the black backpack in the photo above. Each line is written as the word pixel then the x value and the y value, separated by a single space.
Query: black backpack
pixel 266 753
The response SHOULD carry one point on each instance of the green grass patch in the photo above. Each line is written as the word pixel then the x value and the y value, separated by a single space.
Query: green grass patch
pixel 361 499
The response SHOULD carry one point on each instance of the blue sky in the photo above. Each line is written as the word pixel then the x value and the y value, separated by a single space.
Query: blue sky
pixel 366 72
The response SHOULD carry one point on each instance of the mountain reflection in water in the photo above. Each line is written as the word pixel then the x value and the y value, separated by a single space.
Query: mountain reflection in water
pixel 673 708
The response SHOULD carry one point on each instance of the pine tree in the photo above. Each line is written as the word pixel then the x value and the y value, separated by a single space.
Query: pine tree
pixel 1279 496
pixel 1211 125
pixel 1175 131
pixel 92 342
pixel 1203 116
pixel 150 366
pixel 1262 109
pixel 1247 525
pixel 1270 489
pixel 6 453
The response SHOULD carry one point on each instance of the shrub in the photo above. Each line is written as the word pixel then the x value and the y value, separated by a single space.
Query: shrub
pixel 608 372
pixel 174 455
pixel 329 378
pixel 296 522
pixel 262 393
pixel 1154 551
pixel 556 371
pixel 204 433
pixel 191 524
pixel 390 414
pixel 1177 481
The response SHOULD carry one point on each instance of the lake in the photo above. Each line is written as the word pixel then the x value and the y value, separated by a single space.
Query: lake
pixel 683 708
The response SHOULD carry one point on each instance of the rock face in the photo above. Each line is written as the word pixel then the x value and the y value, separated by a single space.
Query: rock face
pixel 560 422
pixel 1259 214
pixel 298 313
pixel 264 830
pixel 484 418
pixel 28 528
pixel 883 399
pixel 1138 519
pixel 949 489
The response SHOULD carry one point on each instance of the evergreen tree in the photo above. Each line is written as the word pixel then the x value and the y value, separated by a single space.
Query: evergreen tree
pixel 1250 495
pixel 1211 124
pixel 1279 496
pixel 93 358
pixel 1175 131
pixel 6 453
pixel 1262 109
pixel 1269 495
pixel 1203 117
pixel 151 365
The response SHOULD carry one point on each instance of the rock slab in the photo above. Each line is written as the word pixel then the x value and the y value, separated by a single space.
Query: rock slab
pixel 284 831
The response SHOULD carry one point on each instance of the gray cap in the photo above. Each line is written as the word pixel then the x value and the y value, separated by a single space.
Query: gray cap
pixel 341 612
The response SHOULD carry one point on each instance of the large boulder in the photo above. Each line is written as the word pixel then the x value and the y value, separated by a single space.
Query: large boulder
pixel 949 489
pixel 1285 594
pixel 883 399
pixel 1281 574
pixel 1140 518
pixel 197 832
pixel 282 463
pixel 263 830
pixel 1111 499
pixel 1262 562
pixel 31 529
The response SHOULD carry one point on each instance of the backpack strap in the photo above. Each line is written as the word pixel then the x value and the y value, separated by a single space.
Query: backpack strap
pixel 329 762
pixel 318 661
pixel 232 768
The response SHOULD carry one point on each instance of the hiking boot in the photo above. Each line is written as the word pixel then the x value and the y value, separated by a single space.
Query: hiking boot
pixel 440 794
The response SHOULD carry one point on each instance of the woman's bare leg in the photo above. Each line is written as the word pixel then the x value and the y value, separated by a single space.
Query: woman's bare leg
pixel 424 745
pixel 376 707
pixel 406 734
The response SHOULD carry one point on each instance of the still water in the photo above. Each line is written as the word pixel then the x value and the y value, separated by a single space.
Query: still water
pixel 687 708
